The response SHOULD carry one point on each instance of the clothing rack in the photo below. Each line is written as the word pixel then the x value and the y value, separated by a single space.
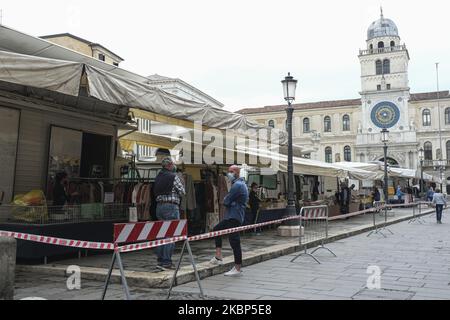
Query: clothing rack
pixel 112 179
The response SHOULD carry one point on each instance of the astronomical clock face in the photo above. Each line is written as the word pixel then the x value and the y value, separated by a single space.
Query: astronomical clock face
pixel 385 114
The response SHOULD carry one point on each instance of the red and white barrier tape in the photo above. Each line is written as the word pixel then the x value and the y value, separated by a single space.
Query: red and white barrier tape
pixel 156 243
pixel 214 234
pixel 149 245
pixel 58 241
pixel 353 214
pixel 239 229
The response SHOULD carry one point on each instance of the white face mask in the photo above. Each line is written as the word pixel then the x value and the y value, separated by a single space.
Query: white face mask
pixel 231 176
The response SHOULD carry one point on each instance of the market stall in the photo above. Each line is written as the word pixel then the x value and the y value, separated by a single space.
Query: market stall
pixel 67 116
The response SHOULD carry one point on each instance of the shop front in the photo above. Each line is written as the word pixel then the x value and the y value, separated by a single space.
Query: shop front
pixel 45 131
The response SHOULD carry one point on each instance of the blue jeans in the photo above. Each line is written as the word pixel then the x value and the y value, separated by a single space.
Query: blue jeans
pixel 166 212
pixel 439 208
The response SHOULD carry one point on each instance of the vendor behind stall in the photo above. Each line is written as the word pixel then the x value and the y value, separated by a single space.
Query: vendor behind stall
pixel 60 196
pixel 345 198
pixel 376 194
pixel 254 202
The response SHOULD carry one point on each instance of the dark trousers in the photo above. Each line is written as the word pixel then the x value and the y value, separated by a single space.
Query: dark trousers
pixel 345 208
pixel 234 238
pixel 439 208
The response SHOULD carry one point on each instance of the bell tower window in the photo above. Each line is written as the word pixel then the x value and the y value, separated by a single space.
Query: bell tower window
pixel 379 67
pixel 386 66
pixel 380 45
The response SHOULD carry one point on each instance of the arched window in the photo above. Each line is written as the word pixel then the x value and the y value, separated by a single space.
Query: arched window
pixel 379 66
pixel 428 151
pixel 328 155
pixel 346 123
pixel 327 124
pixel 272 123
pixel 447 116
pixel 392 43
pixel 347 153
pixel 426 118
pixel 448 149
pixel 306 127
pixel 371 48
pixel 386 66
pixel 380 44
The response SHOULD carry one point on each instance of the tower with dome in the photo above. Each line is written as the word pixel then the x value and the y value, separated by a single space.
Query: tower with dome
pixel 385 89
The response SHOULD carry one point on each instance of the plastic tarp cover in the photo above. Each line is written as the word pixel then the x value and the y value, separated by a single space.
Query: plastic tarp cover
pixel 115 89
pixel 311 167
pixel 360 170
pixel 50 74
pixel 65 77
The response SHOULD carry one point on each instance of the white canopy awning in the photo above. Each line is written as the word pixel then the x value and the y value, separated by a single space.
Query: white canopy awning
pixel 65 77
pixel 106 82
pixel 360 171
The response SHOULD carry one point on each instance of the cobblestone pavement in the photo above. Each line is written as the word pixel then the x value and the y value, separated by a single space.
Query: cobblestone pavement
pixel 145 261
pixel 54 288
pixel 414 264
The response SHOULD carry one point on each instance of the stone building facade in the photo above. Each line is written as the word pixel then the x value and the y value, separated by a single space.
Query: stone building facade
pixel 349 130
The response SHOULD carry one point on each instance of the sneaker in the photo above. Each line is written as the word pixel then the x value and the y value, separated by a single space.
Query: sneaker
pixel 233 273
pixel 216 262
pixel 165 267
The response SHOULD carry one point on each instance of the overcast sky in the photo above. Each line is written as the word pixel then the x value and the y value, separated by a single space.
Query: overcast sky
pixel 238 51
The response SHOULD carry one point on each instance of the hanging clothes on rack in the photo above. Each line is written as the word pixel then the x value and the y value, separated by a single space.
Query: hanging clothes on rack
pixel 222 192
pixel 144 202
pixel 191 201
pixel 212 205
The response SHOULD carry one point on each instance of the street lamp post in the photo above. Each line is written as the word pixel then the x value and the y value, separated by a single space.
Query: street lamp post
pixel 421 157
pixel 289 87
pixel 385 140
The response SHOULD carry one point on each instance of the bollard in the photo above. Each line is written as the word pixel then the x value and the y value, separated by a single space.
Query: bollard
pixel 7 267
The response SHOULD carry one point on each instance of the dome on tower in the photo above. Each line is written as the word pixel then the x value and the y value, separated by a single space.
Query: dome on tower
pixel 382 28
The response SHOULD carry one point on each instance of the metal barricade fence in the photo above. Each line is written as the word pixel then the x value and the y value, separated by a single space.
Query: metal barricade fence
pixel 146 235
pixel 378 210
pixel 417 212
pixel 313 227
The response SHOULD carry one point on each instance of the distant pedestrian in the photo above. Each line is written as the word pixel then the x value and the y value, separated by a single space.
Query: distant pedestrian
pixel 439 201
pixel 376 194
pixel 235 203
pixel 408 195
pixel 168 189
pixel 399 194
pixel 430 194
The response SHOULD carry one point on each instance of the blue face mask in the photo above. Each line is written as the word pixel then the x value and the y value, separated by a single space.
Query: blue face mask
pixel 231 176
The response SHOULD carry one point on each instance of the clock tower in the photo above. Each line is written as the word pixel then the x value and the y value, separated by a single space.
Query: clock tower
pixel 384 96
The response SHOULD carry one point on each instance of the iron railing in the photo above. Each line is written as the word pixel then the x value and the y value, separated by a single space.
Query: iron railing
pixel 382 50
pixel 64 214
